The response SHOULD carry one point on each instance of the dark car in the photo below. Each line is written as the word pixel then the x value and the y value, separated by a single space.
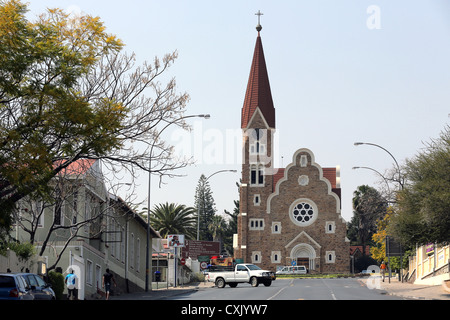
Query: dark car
pixel 39 288
pixel 14 287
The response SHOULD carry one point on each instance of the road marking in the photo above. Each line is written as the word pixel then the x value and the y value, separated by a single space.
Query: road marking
pixel 279 291
pixel 331 291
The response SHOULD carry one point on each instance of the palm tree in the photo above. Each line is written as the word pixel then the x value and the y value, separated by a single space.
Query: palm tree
pixel 217 228
pixel 173 219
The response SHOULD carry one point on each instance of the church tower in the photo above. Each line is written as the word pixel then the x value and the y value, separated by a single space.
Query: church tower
pixel 288 216
pixel 258 128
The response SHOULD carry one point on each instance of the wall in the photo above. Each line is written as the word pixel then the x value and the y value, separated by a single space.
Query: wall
pixel 430 268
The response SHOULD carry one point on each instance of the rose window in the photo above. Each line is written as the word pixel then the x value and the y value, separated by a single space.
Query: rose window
pixel 303 213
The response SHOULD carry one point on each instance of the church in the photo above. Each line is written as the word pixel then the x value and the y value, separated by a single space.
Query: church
pixel 287 216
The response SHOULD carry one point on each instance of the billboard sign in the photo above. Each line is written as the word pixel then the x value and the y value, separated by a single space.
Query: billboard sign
pixel 195 248
pixel 393 248
pixel 175 240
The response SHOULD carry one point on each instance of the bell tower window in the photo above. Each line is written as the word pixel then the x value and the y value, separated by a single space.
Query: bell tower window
pixel 257 175
pixel 257 138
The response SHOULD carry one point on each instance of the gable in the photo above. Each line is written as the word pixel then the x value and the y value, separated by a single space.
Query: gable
pixel 295 181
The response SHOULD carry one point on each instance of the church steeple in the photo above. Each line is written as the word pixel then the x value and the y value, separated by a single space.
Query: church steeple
pixel 258 92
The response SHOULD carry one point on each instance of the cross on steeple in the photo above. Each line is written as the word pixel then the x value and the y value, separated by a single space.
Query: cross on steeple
pixel 259 14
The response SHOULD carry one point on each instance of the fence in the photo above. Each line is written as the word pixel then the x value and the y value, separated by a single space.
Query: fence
pixel 429 261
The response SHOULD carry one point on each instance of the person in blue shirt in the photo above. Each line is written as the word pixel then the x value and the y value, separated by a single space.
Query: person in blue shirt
pixel 71 282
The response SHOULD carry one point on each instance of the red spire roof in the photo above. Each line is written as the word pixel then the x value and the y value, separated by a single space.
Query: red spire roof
pixel 258 92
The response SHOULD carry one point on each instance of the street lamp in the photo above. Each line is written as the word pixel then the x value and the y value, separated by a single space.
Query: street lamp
pixel 147 262
pixel 204 207
pixel 396 163
pixel 387 184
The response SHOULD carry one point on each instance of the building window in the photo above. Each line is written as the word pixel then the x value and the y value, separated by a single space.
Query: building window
pixel 303 212
pixel 38 210
pixel 275 257
pixel 257 175
pixel 330 257
pixel 330 227
pixel 138 256
pixel 256 224
pixel 132 251
pixel 303 160
pixel 257 148
pixel 256 257
pixel 276 227
pixel 256 200
pixel 253 171
pixel 89 272
pixel 98 276
pixel 58 217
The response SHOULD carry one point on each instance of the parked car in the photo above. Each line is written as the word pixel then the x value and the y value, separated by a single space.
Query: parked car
pixel 14 287
pixel 39 288
pixel 293 270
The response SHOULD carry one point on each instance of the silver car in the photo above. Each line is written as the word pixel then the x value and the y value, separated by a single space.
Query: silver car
pixel 293 270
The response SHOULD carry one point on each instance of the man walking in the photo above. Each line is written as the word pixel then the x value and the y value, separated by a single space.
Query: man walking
pixel 71 283
pixel 106 282
pixel 383 270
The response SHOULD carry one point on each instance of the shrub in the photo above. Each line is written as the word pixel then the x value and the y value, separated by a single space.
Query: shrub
pixel 56 279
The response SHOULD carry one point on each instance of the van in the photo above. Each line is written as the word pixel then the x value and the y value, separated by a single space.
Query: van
pixel 293 270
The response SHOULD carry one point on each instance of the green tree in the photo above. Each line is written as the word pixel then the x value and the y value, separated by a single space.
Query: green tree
pixel 173 219
pixel 204 204
pixel 369 206
pixel 217 229
pixel 424 203
pixel 68 92
pixel 231 228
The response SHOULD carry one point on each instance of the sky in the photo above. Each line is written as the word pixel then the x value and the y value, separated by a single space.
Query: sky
pixel 340 72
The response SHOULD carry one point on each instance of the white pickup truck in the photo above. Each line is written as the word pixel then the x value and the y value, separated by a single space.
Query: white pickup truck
pixel 243 272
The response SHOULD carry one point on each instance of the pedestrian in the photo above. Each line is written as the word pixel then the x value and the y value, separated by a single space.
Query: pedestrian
pixel 383 270
pixel 106 282
pixel 71 283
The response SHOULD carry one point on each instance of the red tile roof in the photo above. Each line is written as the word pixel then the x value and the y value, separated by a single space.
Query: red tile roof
pixel 330 174
pixel 277 176
pixel 354 249
pixel 77 167
pixel 258 92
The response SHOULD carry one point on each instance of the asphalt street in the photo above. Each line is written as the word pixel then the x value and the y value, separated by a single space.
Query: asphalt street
pixel 294 289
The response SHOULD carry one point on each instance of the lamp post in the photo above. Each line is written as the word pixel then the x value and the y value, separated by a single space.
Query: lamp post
pixel 204 207
pixel 387 184
pixel 396 163
pixel 147 259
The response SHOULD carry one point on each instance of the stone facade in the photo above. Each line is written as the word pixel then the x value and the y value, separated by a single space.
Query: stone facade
pixel 289 215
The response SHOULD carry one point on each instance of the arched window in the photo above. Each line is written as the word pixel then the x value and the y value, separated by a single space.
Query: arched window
pixel 257 175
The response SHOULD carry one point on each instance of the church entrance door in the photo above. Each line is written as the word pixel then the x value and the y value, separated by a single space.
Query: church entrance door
pixel 304 254
pixel 303 262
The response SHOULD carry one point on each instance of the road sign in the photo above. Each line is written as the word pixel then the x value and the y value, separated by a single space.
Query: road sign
pixel 183 261
pixel 393 248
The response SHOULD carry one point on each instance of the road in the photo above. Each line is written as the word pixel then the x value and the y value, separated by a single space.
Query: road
pixel 293 289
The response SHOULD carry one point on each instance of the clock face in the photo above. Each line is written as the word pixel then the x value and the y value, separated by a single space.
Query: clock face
pixel 257 134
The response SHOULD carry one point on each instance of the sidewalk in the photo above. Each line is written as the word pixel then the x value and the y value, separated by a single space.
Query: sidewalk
pixel 414 291
pixel 163 293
